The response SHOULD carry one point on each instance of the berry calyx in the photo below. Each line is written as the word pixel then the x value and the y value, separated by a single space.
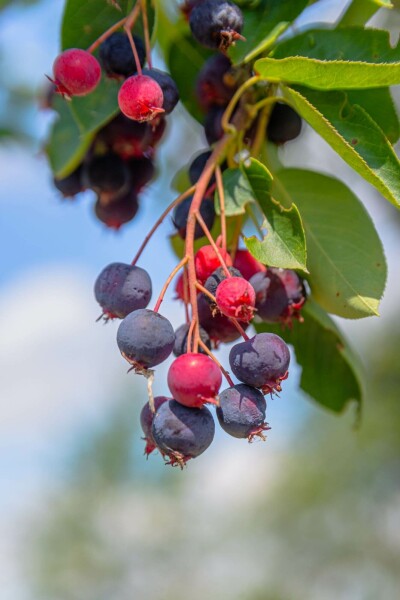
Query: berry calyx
pixel 182 433
pixel 241 412
pixel 140 98
pixel 146 422
pixel 145 339
pixel 261 361
pixel 116 56
pixel 236 298
pixel 194 379
pixel 206 261
pixel 120 289
pixel 247 264
pixel 76 72
pixel 216 23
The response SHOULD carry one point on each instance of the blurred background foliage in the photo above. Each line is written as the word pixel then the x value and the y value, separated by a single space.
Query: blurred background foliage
pixel 315 516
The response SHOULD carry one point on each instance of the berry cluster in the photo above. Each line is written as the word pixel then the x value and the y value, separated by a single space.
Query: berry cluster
pixel 223 287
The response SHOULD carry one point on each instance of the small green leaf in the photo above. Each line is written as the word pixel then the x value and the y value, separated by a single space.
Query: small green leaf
pixel 93 111
pixel 331 373
pixel 66 146
pixel 237 191
pixel 84 22
pixel 344 253
pixel 261 20
pixel 353 134
pixel 329 74
pixel 284 244
pixel 360 11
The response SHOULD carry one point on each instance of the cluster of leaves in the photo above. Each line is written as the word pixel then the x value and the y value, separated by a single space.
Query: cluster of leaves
pixel 337 78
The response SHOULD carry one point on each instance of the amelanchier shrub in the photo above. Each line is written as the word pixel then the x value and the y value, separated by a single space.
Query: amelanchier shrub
pixel 314 249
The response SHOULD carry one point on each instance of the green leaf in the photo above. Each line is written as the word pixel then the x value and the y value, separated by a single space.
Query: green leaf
pixel 353 134
pixel 284 244
pixel 344 253
pixel 84 22
pixel 331 373
pixel 237 193
pixel 360 11
pixel 66 146
pixel 260 21
pixel 184 61
pixel 329 75
pixel 93 111
pixel 350 43
pixel 378 103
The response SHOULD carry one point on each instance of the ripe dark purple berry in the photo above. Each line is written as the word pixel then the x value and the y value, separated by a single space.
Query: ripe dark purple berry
pixel 106 173
pixel 71 185
pixel 182 433
pixel 215 279
pixel 181 213
pixel 284 124
pixel 125 137
pixel 76 72
pixel 213 85
pixel 241 412
pixel 194 379
pixel 280 295
pixel 181 335
pixel 213 124
pixel 116 56
pixel 146 422
pixel 140 98
pixel 218 327
pixel 145 338
pixel 261 361
pixel 116 213
pixel 141 171
pixel 216 23
pixel 169 88
pixel 120 289
pixel 197 166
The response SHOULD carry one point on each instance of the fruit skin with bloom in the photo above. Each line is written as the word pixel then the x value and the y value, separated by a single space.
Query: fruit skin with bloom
pixel 194 379
pixel 146 422
pixel 76 72
pixel 140 98
pixel 241 412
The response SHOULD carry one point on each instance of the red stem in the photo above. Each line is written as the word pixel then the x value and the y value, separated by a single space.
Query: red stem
pixel 146 33
pixel 106 35
pixel 166 284
pixel 211 355
pixel 212 243
pixel 221 195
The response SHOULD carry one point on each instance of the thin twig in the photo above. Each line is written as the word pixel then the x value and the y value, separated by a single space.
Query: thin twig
pixel 212 243
pixel 221 196
pixel 211 355
pixel 146 33
pixel 106 35
pixel 166 284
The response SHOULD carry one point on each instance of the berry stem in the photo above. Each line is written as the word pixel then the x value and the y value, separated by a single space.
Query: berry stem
pixel 166 284
pixel 205 291
pixel 106 35
pixel 190 334
pixel 226 125
pixel 212 243
pixel 146 33
pixel 235 322
pixel 211 355
pixel 221 194
pixel 201 188
pixel 185 293
pixel 239 328
pixel 177 201
pixel 133 46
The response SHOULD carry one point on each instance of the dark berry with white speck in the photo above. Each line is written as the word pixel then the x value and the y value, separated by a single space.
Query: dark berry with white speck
pixel 120 289
pixel 241 412
pixel 181 213
pixel 169 88
pixel 145 338
pixel 261 361
pixel 194 379
pixel 284 124
pixel 76 72
pixel 116 56
pixel 181 336
pixel 216 23
pixel 146 422
pixel 182 433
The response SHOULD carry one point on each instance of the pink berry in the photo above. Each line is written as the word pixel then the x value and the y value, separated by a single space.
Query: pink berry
pixel 140 98
pixel 76 72
pixel 194 379
pixel 247 264
pixel 236 298
pixel 206 262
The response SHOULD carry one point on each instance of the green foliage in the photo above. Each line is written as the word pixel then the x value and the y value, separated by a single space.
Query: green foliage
pixel 345 256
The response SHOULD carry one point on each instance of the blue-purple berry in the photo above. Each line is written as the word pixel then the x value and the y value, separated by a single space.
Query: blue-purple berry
pixel 181 213
pixel 146 422
pixel 216 23
pixel 145 338
pixel 121 288
pixel 182 433
pixel 284 124
pixel 116 56
pixel 181 336
pixel 261 361
pixel 168 86
pixel 241 411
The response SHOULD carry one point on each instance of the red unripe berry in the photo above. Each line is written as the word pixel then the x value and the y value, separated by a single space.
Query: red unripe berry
pixel 236 298
pixel 76 72
pixel 140 98
pixel 194 379
pixel 247 264
pixel 206 262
